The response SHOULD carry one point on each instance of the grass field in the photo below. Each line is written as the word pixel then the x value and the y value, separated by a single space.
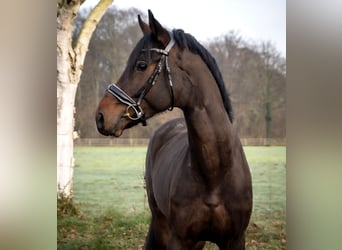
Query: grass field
pixel 111 210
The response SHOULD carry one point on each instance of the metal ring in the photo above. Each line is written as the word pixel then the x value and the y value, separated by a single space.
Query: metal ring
pixel 137 113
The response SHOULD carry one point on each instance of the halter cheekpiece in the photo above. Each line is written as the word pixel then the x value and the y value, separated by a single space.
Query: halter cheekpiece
pixel 135 105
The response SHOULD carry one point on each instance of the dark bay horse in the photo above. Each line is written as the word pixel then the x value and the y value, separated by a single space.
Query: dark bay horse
pixel 197 178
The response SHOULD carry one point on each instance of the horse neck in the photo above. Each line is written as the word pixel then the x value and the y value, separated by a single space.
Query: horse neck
pixel 211 136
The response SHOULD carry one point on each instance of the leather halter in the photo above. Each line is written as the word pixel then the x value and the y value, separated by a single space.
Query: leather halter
pixel 135 105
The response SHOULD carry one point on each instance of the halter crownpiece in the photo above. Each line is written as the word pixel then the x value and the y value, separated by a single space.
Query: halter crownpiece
pixel 135 105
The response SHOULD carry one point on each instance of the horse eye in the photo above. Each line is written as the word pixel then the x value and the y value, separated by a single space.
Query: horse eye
pixel 141 66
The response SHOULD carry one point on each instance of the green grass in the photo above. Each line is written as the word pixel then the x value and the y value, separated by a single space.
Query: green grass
pixel 112 211
pixel 267 226
pixel 110 177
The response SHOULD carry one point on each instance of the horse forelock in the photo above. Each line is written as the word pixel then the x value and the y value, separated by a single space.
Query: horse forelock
pixel 144 44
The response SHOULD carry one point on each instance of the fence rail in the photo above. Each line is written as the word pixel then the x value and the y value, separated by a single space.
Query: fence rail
pixel 144 141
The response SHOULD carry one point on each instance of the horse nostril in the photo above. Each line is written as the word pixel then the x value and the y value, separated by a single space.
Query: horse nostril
pixel 99 120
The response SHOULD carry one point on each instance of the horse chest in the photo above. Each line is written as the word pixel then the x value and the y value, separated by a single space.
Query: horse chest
pixel 199 219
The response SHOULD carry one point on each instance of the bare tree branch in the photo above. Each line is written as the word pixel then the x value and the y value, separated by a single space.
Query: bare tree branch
pixel 88 28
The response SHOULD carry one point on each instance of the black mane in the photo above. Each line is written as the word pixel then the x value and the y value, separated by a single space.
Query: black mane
pixel 186 40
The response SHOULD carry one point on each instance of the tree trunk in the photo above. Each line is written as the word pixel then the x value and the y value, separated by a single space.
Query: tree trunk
pixel 66 89
pixel 269 64
pixel 268 110
pixel 69 69
pixel 65 127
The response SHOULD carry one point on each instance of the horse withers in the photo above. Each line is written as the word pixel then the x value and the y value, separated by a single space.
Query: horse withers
pixel 197 178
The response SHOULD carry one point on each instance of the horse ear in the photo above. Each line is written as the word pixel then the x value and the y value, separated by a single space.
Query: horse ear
pixel 157 30
pixel 143 26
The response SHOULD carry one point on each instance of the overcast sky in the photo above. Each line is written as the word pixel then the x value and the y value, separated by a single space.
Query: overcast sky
pixel 254 20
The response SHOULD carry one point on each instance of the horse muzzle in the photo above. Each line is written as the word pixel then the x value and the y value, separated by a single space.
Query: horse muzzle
pixel 112 118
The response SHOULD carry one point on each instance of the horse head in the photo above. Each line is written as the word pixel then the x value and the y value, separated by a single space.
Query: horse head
pixel 145 86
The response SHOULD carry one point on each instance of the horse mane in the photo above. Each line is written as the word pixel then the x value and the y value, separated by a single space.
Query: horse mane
pixel 186 40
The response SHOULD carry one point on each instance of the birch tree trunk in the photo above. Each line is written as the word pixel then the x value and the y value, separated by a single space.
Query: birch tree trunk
pixel 69 69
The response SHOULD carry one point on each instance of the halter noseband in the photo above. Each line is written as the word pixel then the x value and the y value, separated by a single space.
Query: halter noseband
pixel 135 105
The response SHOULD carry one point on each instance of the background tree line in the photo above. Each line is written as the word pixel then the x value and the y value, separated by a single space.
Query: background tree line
pixel 254 74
